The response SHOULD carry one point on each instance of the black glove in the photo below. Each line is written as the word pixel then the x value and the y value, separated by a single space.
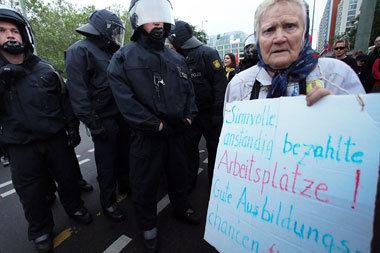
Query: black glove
pixel 73 138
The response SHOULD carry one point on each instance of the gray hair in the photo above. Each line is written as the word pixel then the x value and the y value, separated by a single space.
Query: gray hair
pixel 266 4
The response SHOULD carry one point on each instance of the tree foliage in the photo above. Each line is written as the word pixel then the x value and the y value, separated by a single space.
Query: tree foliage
pixel 54 25
pixel 350 34
pixel 199 34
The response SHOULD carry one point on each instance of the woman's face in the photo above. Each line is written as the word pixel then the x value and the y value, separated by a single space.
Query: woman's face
pixel 227 61
pixel 280 34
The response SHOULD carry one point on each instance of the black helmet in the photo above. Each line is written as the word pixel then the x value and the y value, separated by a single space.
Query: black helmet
pixel 250 51
pixel 103 23
pixel 150 11
pixel 182 36
pixel 10 15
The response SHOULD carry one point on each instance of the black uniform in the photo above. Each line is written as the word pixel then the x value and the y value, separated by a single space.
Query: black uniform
pixel 352 63
pixel 246 63
pixel 34 114
pixel 151 85
pixel 94 105
pixel 210 82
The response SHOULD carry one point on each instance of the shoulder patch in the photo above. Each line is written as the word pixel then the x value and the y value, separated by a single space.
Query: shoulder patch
pixel 216 64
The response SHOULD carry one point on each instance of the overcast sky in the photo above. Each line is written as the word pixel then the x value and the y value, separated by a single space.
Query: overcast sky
pixel 216 16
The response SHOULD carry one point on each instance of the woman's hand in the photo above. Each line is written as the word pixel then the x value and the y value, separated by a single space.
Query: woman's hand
pixel 316 94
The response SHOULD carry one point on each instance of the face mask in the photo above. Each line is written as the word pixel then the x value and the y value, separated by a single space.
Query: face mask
pixel 157 33
pixel 13 47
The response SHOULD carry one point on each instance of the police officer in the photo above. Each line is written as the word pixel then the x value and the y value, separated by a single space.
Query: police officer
pixel 251 57
pixel 34 114
pixel 94 105
pixel 210 82
pixel 154 93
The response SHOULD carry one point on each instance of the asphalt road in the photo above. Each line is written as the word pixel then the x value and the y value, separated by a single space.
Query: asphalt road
pixel 104 235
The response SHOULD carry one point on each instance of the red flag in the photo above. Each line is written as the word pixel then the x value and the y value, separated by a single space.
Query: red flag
pixel 237 58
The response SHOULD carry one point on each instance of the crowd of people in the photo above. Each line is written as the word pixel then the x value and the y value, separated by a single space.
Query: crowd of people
pixel 362 64
pixel 147 105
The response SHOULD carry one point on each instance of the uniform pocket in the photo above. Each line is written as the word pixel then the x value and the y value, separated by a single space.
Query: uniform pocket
pixel 140 145
pixel 101 98
pixel 49 87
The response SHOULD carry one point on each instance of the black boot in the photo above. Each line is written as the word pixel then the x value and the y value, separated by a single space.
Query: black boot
pixel 150 240
pixel 114 212
pixel 82 216
pixel 190 216
pixel 44 243
pixel 5 160
pixel 84 186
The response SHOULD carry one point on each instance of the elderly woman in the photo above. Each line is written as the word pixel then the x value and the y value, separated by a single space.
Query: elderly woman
pixel 288 66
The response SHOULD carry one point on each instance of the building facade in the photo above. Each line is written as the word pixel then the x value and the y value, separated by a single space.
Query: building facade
pixel 328 24
pixel 348 10
pixel 336 20
pixel 323 37
pixel 230 42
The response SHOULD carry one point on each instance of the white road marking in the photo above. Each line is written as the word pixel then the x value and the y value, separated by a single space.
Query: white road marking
pixel 5 194
pixel 84 161
pixel 91 150
pixel 78 156
pixel 163 203
pixel 206 160
pixel 118 245
pixel 6 183
pixel 123 240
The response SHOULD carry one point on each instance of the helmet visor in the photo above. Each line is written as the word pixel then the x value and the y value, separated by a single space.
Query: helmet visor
pixel 116 32
pixel 251 39
pixel 151 11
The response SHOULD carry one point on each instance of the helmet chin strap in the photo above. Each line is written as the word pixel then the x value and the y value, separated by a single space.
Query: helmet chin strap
pixel 13 47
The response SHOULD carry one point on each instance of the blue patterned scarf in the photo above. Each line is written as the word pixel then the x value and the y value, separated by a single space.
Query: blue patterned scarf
pixel 297 71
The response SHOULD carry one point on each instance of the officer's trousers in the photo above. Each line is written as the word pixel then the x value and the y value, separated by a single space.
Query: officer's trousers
pixel 150 156
pixel 202 125
pixel 29 165
pixel 112 158
pixel 50 184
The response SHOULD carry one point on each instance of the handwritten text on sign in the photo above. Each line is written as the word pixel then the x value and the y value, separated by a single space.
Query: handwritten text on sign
pixel 291 178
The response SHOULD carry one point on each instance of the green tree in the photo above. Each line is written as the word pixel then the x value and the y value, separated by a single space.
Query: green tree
pixel 199 34
pixel 54 25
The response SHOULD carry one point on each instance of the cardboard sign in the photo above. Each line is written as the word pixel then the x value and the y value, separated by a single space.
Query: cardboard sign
pixel 292 178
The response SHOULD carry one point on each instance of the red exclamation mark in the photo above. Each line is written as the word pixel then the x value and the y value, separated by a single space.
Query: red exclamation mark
pixel 357 180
